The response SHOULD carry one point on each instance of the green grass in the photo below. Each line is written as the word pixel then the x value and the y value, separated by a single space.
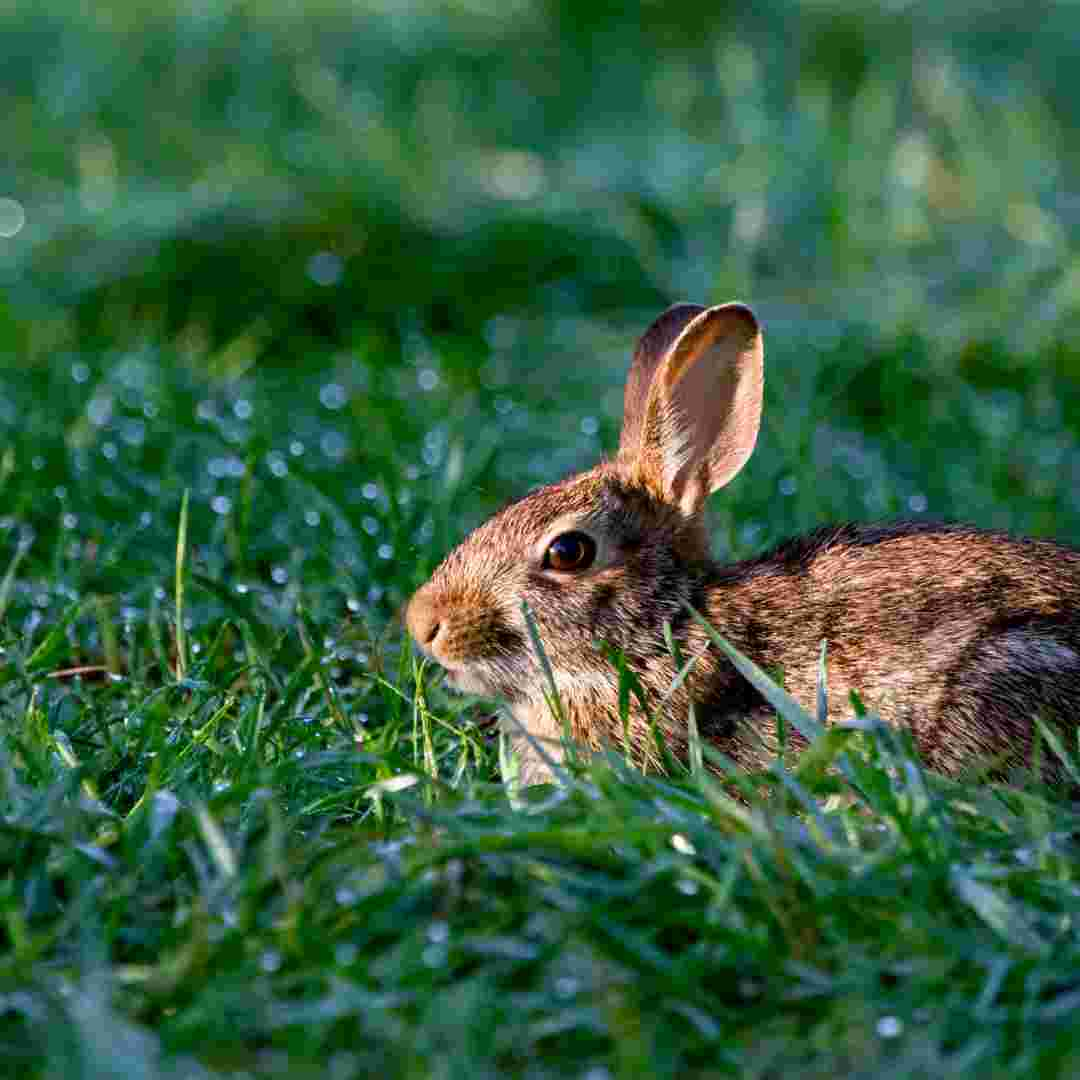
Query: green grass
pixel 340 279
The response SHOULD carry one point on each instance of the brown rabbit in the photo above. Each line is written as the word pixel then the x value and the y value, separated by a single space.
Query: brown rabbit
pixel 963 635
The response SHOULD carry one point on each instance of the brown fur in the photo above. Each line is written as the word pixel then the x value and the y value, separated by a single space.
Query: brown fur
pixel 962 635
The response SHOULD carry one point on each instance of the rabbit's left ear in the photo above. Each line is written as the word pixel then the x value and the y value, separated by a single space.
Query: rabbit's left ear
pixel 696 425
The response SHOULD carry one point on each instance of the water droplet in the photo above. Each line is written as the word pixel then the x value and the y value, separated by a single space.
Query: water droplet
pixel 589 425
pixel 311 517
pixel 889 1027
pixel 385 551
pixel 80 372
pixel 221 504
pixel 566 986
pixel 133 432
pixel 788 485
pixel 370 490
pixel 69 521
pixel 205 410
pixel 296 448
pixel 242 409
pixel 60 491
pixel 325 268
pixel 369 524
pixel 686 886
pixel 345 955
pixel 333 445
pixel 681 844
pixel 277 464
pixel 12 218
pixel 333 396
pixel 37 463
pixel 353 604
pixel 917 503
pixel 279 575
pixel 270 960
pixel 109 451
pixel 427 378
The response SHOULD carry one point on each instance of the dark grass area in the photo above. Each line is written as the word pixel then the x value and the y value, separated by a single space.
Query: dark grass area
pixel 351 276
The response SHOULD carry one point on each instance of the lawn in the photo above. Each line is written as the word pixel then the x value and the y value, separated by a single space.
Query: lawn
pixel 291 296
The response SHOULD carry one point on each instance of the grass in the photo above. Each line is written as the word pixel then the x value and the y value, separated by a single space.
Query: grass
pixel 300 298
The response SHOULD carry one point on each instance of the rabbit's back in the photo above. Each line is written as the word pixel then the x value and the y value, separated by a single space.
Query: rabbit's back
pixel 963 635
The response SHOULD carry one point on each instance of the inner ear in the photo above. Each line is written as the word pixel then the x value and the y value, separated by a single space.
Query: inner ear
pixel 703 408
pixel 651 351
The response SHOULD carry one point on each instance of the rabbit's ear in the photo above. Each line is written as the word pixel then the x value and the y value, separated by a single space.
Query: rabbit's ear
pixel 692 427
pixel 652 349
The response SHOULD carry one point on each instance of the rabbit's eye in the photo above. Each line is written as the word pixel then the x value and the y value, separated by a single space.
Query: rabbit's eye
pixel 571 551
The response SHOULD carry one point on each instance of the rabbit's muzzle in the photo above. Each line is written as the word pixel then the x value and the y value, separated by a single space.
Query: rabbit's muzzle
pixel 479 650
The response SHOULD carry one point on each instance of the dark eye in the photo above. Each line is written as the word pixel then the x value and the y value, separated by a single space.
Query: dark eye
pixel 570 551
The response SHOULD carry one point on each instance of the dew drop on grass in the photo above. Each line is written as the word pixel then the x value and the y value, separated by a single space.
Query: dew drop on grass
pixel 333 445
pixel 242 409
pixel 221 504
pixel 682 845
pixel 69 521
pixel 241 588
pixel 279 575
pixel 311 517
pixel 325 268
pixel 686 886
pixel 889 1027
pixel 385 552
pixel 427 378
pixel 370 491
pixel 345 954
pixel 296 448
pixel 434 956
pixel 345 896
pixel 370 525
pixel 566 986
pixel 589 425
pixel 333 396
pixel 438 932
pixel 353 604
pixel 37 463
pixel 270 961
pixel 80 372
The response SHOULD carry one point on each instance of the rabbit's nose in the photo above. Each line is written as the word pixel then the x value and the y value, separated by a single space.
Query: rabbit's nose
pixel 423 619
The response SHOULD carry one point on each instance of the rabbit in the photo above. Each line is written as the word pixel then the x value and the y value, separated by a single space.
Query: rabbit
pixel 962 635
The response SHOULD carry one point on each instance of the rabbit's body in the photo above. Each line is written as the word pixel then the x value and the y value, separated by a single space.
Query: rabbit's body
pixel 962 635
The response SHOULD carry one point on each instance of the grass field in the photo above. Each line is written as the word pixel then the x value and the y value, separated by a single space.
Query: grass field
pixel 293 295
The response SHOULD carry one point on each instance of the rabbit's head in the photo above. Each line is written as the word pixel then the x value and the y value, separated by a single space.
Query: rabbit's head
pixel 613 553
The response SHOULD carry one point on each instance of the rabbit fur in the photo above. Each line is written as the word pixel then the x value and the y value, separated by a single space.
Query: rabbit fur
pixel 962 635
